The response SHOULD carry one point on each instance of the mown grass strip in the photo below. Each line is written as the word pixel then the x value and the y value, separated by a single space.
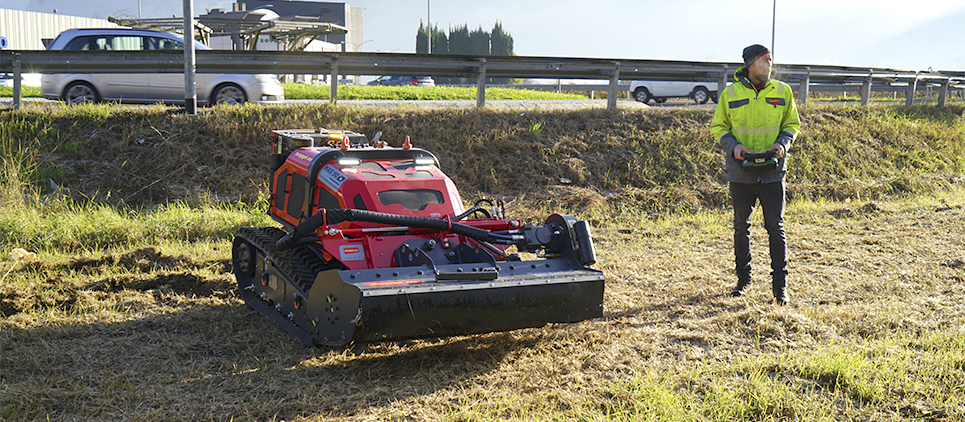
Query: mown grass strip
pixel 363 92
pixel 300 91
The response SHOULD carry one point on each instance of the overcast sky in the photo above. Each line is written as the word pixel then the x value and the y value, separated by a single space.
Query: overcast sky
pixel 882 33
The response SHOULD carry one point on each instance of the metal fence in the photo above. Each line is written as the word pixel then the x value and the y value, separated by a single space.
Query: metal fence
pixel 480 68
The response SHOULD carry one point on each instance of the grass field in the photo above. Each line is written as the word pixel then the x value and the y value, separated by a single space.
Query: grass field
pixel 128 311
pixel 298 91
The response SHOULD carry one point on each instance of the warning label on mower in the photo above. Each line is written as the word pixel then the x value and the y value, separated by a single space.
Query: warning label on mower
pixel 331 176
pixel 351 253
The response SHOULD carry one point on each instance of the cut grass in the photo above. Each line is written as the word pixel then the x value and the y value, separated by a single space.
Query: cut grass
pixel 296 91
pixel 874 331
pixel 130 311
pixel 299 91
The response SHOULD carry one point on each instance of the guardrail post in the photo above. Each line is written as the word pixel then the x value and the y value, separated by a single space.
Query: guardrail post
pixel 333 81
pixel 910 94
pixel 866 90
pixel 190 63
pixel 481 84
pixel 804 87
pixel 16 82
pixel 943 92
pixel 611 96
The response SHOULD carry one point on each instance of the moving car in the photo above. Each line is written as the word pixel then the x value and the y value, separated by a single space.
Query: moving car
pixel 404 80
pixel 212 88
pixel 660 91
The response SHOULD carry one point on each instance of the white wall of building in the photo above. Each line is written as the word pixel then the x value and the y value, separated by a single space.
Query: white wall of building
pixel 28 30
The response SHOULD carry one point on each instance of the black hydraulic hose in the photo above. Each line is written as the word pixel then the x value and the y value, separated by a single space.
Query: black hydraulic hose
pixel 473 210
pixel 338 215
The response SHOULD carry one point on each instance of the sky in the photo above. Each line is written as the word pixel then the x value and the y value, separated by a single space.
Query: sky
pixel 879 33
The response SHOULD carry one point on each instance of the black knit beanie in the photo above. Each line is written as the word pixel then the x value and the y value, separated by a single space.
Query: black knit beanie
pixel 754 52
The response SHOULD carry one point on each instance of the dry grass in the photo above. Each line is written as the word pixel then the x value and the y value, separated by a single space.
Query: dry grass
pixel 130 312
pixel 142 335
pixel 657 159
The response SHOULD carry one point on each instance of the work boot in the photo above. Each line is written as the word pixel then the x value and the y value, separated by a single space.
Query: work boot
pixel 741 287
pixel 780 292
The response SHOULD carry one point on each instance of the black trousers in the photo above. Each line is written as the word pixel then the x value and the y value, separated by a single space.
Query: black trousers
pixel 771 196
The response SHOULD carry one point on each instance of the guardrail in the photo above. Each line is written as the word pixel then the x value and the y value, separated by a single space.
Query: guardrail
pixel 481 68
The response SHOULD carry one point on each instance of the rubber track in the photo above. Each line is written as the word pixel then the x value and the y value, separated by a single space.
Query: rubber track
pixel 299 264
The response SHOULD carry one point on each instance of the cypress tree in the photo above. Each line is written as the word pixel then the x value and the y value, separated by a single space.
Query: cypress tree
pixel 422 40
pixel 479 42
pixel 440 43
pixel 501 42
pixel 459 40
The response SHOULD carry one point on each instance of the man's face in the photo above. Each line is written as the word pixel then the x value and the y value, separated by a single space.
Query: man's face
pixel 760 70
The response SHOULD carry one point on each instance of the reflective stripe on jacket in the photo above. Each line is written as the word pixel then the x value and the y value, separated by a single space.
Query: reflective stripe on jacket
pixel 755 119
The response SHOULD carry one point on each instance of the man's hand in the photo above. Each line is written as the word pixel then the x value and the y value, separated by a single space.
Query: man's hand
pixel 779 150
pixel 739 152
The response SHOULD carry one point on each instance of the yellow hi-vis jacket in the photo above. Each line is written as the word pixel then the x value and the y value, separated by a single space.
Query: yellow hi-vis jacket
pixel 757 120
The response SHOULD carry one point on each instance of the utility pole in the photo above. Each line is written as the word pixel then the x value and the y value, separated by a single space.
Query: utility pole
pixel 773 26
pixel 429 26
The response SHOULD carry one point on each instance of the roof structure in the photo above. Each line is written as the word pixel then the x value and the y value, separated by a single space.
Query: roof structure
pixel 295 33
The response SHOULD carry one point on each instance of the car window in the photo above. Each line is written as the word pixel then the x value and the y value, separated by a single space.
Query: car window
pixel 106 42
pixel 126 43
pixel 88 42
pixel 159 43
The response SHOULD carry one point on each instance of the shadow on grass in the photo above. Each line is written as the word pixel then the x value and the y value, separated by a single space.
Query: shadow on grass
pixel 177 351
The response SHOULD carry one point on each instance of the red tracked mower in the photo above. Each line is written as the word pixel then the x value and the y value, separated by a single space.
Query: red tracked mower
pixel 379 247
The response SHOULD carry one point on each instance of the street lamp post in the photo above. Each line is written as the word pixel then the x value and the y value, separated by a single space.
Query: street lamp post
pixel 428 28
pixel 773 26
pixel 358 47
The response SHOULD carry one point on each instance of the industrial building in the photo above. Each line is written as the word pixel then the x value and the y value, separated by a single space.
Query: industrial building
pixel 282 23
pixel 251 25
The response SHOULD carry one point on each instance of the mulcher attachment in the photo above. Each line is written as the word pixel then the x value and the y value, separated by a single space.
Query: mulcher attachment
pixel 330 306
pixel 364 271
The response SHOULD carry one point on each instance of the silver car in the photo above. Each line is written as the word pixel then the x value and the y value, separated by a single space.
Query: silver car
pixel 212 88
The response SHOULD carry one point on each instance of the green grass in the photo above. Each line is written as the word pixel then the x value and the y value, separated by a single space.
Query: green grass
pixel 25 91
pixel 62 225
pixel 363 92
pixel 800 384
pixel 298 91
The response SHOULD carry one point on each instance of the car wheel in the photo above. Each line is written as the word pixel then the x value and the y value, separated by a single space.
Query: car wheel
pixel 701 95
pixel 641 95
pixel 229 94
pixel 80 93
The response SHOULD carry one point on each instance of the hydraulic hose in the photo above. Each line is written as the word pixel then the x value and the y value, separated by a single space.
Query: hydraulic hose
pixel 338 215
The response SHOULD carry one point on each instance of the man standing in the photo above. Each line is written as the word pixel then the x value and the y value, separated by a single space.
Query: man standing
pixel 756 116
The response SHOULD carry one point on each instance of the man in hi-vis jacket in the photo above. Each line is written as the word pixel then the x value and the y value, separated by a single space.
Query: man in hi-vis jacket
pixel 755 123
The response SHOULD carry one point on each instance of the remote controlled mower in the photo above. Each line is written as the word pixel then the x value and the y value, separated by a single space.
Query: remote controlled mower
pixel 379 246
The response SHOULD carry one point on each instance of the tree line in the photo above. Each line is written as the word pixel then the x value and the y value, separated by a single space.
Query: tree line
pixel 460 40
